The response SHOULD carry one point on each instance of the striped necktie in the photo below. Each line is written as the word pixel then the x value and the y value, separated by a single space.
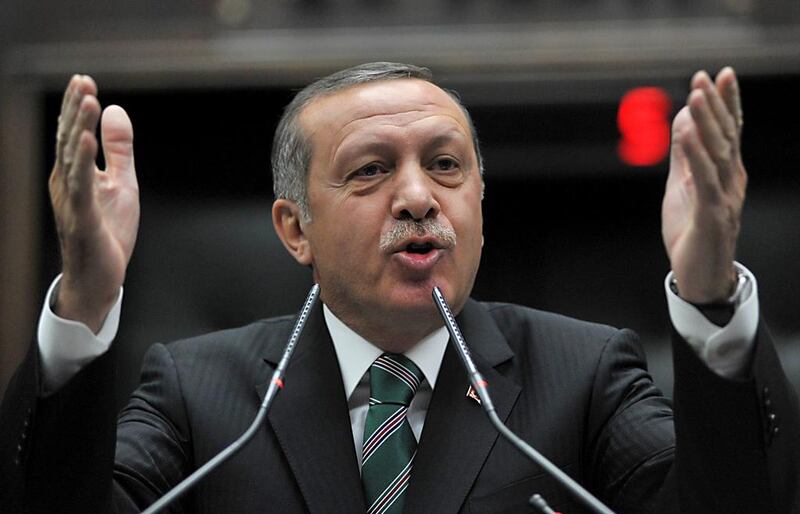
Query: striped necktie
pixel 389 443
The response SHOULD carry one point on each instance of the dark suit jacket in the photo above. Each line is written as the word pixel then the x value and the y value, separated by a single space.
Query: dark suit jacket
pixel 576 391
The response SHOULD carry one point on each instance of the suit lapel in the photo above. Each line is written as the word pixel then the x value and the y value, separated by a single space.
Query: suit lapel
pixel 458 436
pixel 311 422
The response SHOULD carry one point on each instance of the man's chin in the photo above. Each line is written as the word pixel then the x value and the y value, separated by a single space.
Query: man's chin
pixel 417 298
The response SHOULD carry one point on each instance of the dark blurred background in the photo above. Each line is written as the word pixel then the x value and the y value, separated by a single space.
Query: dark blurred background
pixel 569 225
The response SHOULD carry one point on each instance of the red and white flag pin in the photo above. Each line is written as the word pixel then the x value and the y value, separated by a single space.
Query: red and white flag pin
pixel 472 393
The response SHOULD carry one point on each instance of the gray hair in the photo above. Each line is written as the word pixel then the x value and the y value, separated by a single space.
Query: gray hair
pixel 291 149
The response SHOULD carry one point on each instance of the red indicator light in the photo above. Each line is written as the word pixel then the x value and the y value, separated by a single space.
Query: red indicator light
pixel 643 121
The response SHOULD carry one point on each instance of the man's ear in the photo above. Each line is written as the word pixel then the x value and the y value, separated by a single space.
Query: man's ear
pixel 287 221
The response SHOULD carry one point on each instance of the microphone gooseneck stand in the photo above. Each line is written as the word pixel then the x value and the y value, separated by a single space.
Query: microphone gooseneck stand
pixel 481 387
pixel 275 385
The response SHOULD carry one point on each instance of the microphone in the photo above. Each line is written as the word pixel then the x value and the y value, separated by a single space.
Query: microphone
pixel 538 502
pixel 275 385
pixel 482 388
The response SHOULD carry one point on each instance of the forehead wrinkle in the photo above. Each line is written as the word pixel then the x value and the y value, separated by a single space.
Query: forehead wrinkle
pixel 369 105
pixel 386 114
pixel 374 142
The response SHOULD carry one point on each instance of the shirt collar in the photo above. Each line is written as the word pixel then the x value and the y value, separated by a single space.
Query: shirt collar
pixel 356 354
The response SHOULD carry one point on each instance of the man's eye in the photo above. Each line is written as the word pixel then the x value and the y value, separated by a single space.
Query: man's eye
pixel 370 170
pixel 445 164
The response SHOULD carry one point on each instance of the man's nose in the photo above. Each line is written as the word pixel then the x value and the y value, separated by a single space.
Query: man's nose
pixel 414 194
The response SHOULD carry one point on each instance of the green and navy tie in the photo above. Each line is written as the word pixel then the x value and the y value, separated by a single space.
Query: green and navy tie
pixel 389 443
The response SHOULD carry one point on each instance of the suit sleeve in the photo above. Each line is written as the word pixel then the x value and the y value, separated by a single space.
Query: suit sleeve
pixel 729 447
pixel 16 416
pixel 154 450
pixel 630 432
pixel 58 451
pixel 737 445
pixel 73 456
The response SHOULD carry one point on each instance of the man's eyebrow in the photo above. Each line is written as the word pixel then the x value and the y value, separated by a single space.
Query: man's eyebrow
pixel 441 139
pixel 355 149
pixel 380 146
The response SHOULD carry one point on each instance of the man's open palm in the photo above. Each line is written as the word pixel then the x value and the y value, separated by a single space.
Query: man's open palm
pixel 702 208
pixel 96 211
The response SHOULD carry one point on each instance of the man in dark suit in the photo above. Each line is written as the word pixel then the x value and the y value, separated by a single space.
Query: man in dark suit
pixel 378 185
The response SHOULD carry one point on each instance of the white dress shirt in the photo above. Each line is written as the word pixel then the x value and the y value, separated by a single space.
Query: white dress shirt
pixel 66 346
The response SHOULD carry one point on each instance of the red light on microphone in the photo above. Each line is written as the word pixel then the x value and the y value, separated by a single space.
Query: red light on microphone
pixel 643 121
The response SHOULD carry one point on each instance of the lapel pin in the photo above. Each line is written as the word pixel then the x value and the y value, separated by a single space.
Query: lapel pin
pixel 471 393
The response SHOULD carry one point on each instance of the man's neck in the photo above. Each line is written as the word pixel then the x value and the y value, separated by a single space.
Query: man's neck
pixel 396 333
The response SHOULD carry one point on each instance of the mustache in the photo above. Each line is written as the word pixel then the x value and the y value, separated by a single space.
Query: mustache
pixel 408 228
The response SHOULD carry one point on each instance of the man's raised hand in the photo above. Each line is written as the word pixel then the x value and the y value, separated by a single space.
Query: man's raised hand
pixel 701 212
pixel 96 211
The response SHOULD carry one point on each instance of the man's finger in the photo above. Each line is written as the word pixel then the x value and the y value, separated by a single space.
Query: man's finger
pixel 79 86
pixel 67 91
pixel 718 107
pixel 728 88
pixel 717 146
pixel 87 117
pixel 116 132
pixel 704 171
pixel 81 178
pixel 679 124
pixel 62 132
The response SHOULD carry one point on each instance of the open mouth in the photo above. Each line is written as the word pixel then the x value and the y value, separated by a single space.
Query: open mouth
pixel 418 257
pixel 419 248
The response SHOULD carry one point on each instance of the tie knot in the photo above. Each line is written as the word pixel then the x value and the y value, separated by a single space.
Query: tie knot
pixel 393 379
